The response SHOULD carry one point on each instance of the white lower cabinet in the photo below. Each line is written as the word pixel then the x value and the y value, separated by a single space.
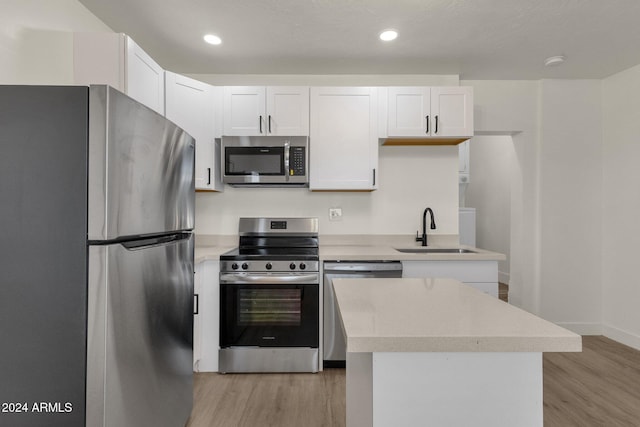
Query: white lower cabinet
pixel 206 324
pixel 482 275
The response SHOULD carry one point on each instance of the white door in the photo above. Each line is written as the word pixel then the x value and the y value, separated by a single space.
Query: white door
pixel 189 104
pixel 145 78
pixel 408 111
pixel 287 110
pixel 244 111
pixel 343 138
pixel 452 111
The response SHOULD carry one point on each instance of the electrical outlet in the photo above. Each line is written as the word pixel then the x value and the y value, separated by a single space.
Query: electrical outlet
pixel 335 214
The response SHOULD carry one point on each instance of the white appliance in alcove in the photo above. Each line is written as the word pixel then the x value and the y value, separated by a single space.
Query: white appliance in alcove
pixel 467 226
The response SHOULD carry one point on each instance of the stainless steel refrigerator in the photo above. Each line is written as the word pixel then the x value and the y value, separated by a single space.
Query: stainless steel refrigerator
pixel 96 260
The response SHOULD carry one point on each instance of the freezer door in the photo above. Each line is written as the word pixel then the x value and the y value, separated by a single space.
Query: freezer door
pixel 140 334
pixel 141 169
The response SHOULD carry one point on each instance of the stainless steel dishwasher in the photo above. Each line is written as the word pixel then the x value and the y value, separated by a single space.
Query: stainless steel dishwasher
pixel 334 347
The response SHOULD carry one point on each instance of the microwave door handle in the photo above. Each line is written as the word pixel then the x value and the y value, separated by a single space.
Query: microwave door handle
pixel 287 145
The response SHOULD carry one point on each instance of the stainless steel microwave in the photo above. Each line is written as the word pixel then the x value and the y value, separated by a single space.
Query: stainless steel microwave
pixel 265 160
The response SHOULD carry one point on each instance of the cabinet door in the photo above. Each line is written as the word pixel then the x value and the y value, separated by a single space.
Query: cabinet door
pixel 409 111
pixel 343 138
pixel 244 110
pixel 190 105
pixel 210 316
pixel 287 110
pixel 197 317
pixel 145 78
pixel 452 111
pixel 482 275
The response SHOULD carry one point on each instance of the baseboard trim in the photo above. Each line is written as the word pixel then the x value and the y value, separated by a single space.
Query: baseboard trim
pixel 624 337
pixel 582 328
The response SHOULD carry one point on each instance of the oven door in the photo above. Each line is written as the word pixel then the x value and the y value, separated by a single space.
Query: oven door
pixel 269 310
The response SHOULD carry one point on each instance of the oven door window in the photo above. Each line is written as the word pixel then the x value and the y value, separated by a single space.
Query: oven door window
pixel 254 161
pixel 270 307
pixel 269 315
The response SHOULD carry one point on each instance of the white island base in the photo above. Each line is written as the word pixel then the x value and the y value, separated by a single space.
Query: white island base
pixel 436 352
pixel 444 389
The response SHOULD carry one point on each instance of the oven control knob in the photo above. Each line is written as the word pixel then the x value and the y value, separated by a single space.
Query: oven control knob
pixel 245 265
pixel 292 266
pixel 269 266
pixel 234 266
pixel 303 266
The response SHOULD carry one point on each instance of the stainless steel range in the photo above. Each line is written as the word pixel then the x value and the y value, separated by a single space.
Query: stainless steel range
pixel 269 297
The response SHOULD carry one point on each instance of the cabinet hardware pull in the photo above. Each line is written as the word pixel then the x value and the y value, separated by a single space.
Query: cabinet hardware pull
pixel 436 125
pixel 269 123
pixel 260 123
pixel 374 177
pixel 208 176
pixel 196 305
pixel 427 118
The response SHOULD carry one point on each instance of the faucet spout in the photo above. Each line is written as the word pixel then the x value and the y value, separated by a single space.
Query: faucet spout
pixel 423 238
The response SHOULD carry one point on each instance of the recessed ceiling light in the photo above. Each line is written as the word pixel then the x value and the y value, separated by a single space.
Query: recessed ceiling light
pixel 211 39
pixel 554 60
pixel 388 35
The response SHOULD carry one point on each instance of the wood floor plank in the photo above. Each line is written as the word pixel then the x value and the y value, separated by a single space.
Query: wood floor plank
pixel 598 387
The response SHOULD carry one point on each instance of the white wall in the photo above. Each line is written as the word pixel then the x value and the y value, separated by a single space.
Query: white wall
pixel 411 179
pixel 621 207
pixel 556 193
pixel 511 107
pixel 570 203
pixel 36 44
pixel 492 168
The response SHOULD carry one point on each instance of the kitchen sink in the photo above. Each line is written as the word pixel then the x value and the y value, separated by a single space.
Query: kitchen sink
pixel 436 251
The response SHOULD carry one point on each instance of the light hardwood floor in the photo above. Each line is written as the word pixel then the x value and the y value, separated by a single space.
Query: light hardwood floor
pixel 598 387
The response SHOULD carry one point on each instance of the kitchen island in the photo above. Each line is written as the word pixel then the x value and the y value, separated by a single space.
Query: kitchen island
pixel 438 352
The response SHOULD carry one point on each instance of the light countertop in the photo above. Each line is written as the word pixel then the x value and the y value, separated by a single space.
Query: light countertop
pixel 359 248
pixel 210 253
pixel 440 315
pixel 389 253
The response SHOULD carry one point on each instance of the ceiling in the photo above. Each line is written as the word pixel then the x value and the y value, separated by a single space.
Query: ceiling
pixel 476 39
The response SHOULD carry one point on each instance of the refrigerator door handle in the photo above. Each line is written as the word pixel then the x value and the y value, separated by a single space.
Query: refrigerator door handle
pixel 154 241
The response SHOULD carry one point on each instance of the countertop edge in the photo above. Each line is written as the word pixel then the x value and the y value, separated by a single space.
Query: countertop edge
pixel 523 344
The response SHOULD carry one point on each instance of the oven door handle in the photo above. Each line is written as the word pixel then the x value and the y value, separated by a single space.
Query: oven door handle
pixel 268 279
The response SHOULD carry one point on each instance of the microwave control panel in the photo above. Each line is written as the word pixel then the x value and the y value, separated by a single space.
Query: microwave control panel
pixel 297 161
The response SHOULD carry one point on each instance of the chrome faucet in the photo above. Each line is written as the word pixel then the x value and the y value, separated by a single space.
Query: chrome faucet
pixel 423 238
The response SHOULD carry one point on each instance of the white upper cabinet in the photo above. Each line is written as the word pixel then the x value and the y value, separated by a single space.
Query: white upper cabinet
pixel 452 111
pixel 344 138
pixel 115 59
pixel 270 110
pixel 429 112
pixel 409 111
pixel 190 105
